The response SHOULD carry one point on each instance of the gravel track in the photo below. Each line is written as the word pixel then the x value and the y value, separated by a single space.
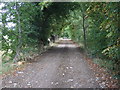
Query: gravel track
pixel 62 66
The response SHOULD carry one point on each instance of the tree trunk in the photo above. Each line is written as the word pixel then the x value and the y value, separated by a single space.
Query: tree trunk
pixel 84 31
pixel 17 56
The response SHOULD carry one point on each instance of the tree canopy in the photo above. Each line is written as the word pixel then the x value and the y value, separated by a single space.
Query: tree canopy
pixel 26 27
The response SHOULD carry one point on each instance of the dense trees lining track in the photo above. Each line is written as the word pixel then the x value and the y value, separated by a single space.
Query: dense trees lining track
pixel 92 25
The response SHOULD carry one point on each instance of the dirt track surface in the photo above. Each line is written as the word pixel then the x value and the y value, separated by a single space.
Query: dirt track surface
pixel 62 66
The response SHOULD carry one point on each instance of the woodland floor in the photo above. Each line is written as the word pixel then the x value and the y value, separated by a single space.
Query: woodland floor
pixel 62 66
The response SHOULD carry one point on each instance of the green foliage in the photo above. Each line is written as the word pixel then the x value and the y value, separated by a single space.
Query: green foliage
pixel 95 24
pixel 31 32
pixel 105 27
pixel 103 34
